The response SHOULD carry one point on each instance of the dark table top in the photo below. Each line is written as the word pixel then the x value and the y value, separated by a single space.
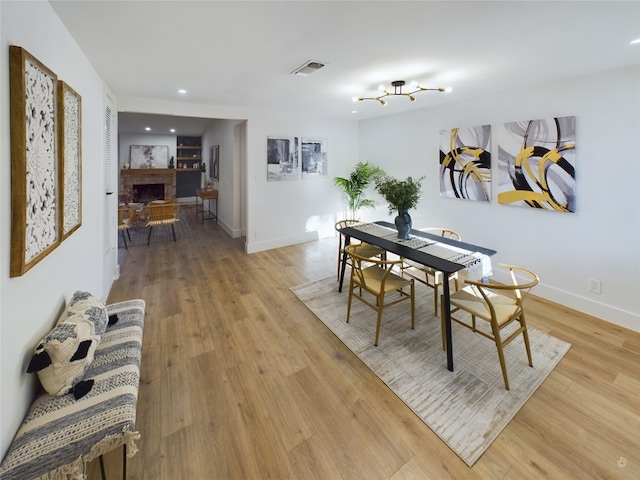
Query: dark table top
pixel 418 256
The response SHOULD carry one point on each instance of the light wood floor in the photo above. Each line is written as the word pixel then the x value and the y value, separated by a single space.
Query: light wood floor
pixel 240 381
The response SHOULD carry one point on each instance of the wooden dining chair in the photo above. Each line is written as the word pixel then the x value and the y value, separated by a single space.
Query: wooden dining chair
pixel 427 275
pixel 125 222
pixel 372 280
pixel 162 214
pixel 497 304
pixel 368 251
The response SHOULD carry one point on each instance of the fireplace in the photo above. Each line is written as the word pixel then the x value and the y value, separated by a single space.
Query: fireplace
pixel 134 179
pixel 147 192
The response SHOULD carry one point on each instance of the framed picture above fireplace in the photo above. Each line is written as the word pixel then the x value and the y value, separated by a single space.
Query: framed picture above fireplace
pixel 149 156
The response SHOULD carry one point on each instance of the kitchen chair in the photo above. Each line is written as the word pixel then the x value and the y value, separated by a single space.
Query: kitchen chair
pixel 375 278
pixel 368 251
pixel 427 275
pixel 162 214
pixel 498 304
pixel 125 222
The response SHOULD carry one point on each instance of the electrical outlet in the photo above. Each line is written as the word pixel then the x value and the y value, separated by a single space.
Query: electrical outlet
pixel 594 286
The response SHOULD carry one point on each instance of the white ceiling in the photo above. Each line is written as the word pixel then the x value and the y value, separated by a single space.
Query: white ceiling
pixel 241 53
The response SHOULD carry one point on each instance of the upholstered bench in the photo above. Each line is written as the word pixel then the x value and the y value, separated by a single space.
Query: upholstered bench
pixel 61 434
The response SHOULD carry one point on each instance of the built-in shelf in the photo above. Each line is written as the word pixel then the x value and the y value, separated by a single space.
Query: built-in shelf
pixel 189 155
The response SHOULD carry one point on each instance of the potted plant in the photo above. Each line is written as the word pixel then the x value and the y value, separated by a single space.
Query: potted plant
pixel 203 168
pixel 354 187
pixel 401 195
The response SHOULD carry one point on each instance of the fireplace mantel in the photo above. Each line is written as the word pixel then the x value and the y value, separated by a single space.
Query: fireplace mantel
pixel 147 171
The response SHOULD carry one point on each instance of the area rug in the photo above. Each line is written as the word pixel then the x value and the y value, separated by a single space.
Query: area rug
pixel 467 408
pixel 159 234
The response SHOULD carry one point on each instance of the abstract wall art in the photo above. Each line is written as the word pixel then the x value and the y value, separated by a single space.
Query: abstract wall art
pixel 149 156
pixel 35 202
pixel 70 148
pixel 465 163
pixel 314 158
pixel 282 158
pixel 536 161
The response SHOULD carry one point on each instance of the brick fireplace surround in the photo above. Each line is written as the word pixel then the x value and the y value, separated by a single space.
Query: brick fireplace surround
pixel 146 176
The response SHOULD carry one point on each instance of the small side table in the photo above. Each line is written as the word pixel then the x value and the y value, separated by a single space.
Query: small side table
pixel 207 194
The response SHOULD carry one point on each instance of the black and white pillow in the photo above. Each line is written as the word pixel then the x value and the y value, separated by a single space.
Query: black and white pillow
pixel 93 309
pixel 62 357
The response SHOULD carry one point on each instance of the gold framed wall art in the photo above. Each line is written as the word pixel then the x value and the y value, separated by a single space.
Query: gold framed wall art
pixel 70 147
pixel 35 203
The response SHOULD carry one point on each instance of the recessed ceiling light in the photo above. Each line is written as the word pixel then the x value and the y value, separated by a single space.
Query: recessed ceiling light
pixel 148 129
pixel 172 130
pixel 182 90
pixel 634 42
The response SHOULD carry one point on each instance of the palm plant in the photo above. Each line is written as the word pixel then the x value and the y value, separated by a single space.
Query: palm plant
pixel 354 187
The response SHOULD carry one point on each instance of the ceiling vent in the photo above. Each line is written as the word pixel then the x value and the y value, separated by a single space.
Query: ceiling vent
pixel 308 68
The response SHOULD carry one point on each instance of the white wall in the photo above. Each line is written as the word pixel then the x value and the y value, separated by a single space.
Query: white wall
pixel 601 240
pixel 287 212
pixel 31 303
pixel 221 133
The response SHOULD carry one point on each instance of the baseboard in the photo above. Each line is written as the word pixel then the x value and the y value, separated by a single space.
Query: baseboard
pixel 600 310
pixel 589 306
pixel 255 246
pixel 229 230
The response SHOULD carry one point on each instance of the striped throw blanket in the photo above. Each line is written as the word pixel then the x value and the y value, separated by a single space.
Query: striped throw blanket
pixel 59 435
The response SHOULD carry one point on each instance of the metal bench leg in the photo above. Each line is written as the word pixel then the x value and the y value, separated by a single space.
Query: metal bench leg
pixel 124 462
pixel 102 474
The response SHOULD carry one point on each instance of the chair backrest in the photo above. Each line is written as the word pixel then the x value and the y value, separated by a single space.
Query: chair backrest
pixel 344 224
pixel 125 217
pixel 443 232
pixel 360 263
pixel 520 287
pixel 162 213
pixel 162 202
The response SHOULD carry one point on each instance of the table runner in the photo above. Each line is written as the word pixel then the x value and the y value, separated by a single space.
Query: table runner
pixel 477 265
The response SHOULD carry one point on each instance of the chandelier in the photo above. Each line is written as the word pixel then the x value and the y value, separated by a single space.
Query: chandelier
pixel 397 91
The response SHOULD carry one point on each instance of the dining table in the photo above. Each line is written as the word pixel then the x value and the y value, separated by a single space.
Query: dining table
pixel 442 254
